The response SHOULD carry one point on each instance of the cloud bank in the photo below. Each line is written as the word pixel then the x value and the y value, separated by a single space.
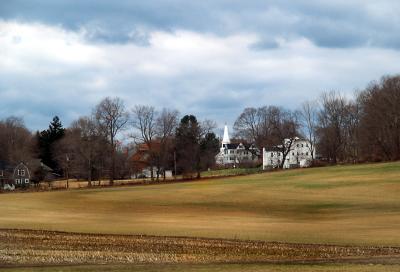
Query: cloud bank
pixel 211 59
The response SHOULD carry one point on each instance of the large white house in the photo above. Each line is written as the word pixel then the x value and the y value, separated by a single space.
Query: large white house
pixel 236 153
pixel 300 154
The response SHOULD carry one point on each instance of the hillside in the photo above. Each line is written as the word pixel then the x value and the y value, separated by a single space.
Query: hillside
pixel 342 205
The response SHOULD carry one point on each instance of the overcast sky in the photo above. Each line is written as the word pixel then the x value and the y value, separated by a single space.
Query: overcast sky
pixel 208 58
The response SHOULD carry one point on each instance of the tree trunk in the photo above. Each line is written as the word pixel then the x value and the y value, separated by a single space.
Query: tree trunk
pixel 112 162
pixel 90 173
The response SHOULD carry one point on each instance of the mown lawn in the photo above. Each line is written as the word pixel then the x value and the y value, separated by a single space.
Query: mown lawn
pixel 341 205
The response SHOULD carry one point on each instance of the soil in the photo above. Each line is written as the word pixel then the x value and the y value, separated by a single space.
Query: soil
pixel 39 248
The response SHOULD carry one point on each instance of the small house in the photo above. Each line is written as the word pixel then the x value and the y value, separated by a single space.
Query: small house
pixel 14 175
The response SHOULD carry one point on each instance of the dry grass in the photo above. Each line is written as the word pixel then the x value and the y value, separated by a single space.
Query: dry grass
pixel 215 268
pixel 24 247
pixel 338 205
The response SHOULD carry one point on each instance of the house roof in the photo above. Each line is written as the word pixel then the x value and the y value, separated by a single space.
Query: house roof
pixel 140 158
pixel 4 165
pixel 237 145
pixel 279 147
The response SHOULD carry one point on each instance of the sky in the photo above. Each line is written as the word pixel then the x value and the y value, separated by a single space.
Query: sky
pixel 207 58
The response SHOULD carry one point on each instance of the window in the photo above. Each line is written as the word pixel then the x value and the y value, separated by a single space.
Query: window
pixel 292 153
pixel 17 181
pixel 272 162
pixel 301 145
pixel 306 153
pixel 21 172
pixel 225 152
pixel 272 154
pixel 26 181
pixel 306 145
pixel 298 145
pixel 1 173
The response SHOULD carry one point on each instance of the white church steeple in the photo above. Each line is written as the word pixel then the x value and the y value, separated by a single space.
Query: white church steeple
pixel 226 139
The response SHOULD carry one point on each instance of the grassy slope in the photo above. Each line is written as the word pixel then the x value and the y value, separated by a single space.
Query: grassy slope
pixel 343 204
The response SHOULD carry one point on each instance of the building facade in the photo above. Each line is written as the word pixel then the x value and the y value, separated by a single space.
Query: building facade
pixel 301 154
pixel 236 153
pixel 16 176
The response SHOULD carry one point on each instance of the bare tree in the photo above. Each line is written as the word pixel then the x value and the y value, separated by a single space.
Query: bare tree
pixel 166 125
pixel 380 119
pixel 331 125
pixel 283 130
pixel 16 141
pixel 207 126
pixel 89 147
pixel 309 122
pixel 144 120
pixel 248 125
pixel 112 118
pixel 64 152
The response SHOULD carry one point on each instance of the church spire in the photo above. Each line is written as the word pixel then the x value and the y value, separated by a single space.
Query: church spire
pixel 226 139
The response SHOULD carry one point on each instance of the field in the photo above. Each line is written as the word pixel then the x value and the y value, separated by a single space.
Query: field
pixel 342 205
pixel 216 268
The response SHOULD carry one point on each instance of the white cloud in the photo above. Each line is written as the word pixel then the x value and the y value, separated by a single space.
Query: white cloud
pixel 53 66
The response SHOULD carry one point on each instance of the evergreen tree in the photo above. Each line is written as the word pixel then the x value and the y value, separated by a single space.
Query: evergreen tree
pixel 188 137
pixel 209 148
pixel 46 140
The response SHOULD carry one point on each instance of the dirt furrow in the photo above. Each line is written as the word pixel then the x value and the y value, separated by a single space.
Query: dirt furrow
pixel 33 247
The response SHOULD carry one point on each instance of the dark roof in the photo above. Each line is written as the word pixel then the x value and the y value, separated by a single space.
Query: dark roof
pixel 232 146
pixel 236 145
pixel 6 166
pixel 273 149
pixel 3 165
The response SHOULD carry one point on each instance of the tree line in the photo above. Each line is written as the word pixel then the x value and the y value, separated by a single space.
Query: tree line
pixel 100 145
pixel 340 129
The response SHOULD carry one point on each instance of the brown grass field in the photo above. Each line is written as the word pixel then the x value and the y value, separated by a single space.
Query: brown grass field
pixel 343 205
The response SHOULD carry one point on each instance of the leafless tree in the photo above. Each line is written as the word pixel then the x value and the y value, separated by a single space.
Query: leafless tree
pixel 112 118
pixel 64 152
pixel 249 124
pixel 144 120
pixel 309 122
pixel 166 124
pixel 284 128
pixel 89 145
pixel 207 126
pixel 16 141
pixel 351 132
pixel 380 119
pixel 331 125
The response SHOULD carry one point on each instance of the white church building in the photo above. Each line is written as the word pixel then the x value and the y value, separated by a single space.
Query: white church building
pixel 300 154
pixel 236 153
